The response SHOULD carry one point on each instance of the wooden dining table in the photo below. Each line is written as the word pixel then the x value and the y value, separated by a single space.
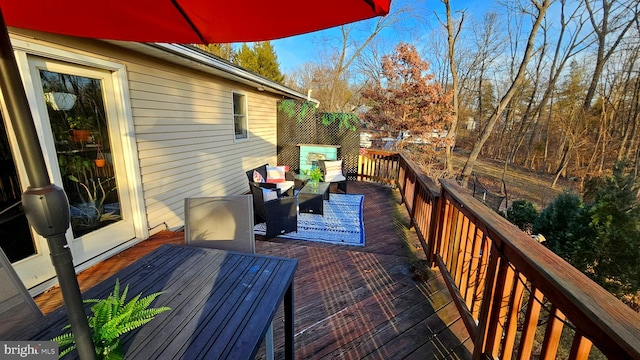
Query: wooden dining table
pixel 222 303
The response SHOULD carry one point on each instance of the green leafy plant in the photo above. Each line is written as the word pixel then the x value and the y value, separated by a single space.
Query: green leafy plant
pixel 346 120
pixel 314 174
pixel 81 122
pixel 92 190
pixel 113 317
pixel 523 214
pixel 297 110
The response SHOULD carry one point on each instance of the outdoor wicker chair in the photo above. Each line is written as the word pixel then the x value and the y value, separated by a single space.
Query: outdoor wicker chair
pixel 272 177
pixel 334 173
pixel 278 212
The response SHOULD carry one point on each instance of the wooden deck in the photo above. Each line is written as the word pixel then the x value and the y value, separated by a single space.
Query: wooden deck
pixel 373 302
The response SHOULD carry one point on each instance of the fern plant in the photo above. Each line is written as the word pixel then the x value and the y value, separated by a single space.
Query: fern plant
pixel 111 318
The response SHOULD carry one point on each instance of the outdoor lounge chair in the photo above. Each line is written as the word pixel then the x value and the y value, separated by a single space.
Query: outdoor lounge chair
pixel 17 308
pixel 278 212
pixel 334 173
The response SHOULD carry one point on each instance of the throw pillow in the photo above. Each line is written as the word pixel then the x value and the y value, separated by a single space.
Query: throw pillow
pixel 276 174
pixel 257 177
pixel 268 195
pixel 332 170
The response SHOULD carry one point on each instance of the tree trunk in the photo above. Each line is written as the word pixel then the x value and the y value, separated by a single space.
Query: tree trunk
pixel 473 156
pixel 451 39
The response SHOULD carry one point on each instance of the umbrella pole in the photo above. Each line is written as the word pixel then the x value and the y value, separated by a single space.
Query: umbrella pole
pixel 46 205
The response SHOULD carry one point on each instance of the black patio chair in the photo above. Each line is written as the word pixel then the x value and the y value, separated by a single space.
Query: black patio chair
pixel 286 187
pixel 278 212
pixel 334 175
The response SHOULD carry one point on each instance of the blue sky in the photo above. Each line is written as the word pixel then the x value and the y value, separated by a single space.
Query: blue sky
pixel 296 50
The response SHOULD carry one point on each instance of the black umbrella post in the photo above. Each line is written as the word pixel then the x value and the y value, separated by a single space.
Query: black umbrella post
pixel 45 205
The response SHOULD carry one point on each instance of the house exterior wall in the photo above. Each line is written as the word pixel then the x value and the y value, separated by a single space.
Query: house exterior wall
pixel 183 128
pixel 185 137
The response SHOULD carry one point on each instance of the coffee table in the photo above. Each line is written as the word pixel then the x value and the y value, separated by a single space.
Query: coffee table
pixel 310 198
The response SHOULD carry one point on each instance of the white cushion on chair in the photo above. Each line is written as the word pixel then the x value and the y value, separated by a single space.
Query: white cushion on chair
pixel 333 171
pixel 268 194
pixel 334 178
pixel 285 186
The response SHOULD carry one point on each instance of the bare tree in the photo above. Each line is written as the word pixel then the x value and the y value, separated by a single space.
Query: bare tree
pixel 613 18
pixel 489 44
pixel 562 53
pixel 453 32
pixel 538 14
pixel 349 50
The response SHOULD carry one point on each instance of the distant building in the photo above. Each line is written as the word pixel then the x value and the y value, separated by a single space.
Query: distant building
pixel 472 124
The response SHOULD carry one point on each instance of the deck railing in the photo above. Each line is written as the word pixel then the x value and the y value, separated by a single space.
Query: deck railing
pixel 378 166
pixel 517 298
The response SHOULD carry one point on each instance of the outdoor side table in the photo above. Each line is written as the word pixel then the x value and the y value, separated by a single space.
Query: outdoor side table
pixel 311 199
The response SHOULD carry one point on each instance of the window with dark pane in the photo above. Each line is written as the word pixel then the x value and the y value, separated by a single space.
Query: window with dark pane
pixel 240 115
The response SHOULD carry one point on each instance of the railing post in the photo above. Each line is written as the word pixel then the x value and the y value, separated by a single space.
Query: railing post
pixel 435 230
pixel 416 188
pixel 404 180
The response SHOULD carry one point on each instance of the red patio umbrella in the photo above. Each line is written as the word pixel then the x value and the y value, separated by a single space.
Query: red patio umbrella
pixel 187 21
pixel 173 21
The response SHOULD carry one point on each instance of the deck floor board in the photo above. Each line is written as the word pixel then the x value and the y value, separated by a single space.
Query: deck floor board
pixel 350 302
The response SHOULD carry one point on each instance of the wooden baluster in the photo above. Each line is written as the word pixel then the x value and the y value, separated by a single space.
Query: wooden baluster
pixel 452 260
pixel 511 325
pixel 530 324
pixel 452 236
pixel 487 306
pixel 447 224
pixel 464 244
pixel 501 301
pixel 472 261
pixel 552 335
pixel 481 275
pixel 580 348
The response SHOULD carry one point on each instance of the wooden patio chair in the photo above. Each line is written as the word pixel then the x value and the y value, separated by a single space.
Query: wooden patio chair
pixel 224 223
pixel 17 308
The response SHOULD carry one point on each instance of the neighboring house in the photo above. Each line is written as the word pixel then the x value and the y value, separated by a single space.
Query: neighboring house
pixel 171 121
pixel 472 124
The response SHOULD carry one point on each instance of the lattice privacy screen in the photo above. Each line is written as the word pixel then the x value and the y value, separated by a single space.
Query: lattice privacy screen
pixel 300 125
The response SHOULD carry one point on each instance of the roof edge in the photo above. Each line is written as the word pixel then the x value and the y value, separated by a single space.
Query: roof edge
pixel 210 60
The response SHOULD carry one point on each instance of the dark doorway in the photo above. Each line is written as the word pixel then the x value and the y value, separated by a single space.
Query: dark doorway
pixel 15 236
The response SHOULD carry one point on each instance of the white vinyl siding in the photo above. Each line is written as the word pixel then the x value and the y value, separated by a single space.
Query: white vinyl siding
pixel 183 128
pixel 186 138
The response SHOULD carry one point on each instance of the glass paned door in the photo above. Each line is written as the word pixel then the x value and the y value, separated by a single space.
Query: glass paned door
pixel 82 142
pixel 81 134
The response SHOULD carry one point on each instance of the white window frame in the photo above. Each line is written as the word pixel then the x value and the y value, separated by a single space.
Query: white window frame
pixel 245 135
pixel 24 47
